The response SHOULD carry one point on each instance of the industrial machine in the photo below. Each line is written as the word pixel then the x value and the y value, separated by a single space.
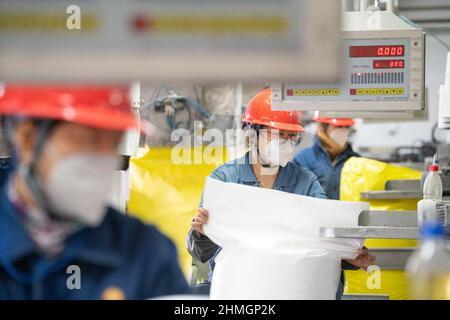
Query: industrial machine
pixel 382 77
pixel 382 69
pixel 403 224
pixel 382 73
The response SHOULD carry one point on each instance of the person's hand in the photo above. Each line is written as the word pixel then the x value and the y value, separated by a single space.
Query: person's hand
pixel 363 260
pixel 199 220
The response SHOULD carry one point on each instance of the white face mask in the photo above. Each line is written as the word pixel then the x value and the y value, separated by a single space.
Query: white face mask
pixel 79 186
pixel 340 136
pixel 275 153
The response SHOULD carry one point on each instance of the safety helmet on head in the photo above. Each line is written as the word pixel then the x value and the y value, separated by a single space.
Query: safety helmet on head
pixel 259 112
pixel 106 107
pixel 340 122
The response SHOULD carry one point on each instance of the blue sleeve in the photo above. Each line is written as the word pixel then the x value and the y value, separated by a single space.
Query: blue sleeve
pixel 218 174
pixel 316 190
pixel 300 159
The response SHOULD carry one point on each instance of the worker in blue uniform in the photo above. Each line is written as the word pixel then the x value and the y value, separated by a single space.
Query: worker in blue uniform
pixel 58 237
pixel 329 152
pixel 276 133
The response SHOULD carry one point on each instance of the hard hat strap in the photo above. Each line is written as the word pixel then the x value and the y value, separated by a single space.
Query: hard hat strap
pixel 256 127
pixel 264 165
pixel 7 124
pixel 31 179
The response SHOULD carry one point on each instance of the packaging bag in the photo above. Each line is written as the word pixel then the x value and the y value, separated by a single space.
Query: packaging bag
pixel 361 175
pixel 270 242
pixel 167 194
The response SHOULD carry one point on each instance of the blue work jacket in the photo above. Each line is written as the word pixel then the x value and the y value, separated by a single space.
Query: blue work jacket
pixel 121 258
pixel 317 160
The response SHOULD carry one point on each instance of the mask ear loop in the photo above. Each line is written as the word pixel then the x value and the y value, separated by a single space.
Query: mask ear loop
pixel 256 128
pixel 264 165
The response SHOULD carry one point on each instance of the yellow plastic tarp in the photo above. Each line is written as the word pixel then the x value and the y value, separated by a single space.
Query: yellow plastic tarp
pixel 360 175
pixel 167 193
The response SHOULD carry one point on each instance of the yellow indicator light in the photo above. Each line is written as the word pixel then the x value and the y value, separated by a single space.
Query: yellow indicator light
pixel 45 22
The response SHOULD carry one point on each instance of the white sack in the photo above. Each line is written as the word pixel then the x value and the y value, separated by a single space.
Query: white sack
pixel 270 242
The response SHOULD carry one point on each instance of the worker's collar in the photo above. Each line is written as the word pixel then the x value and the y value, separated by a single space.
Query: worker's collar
pixel 245 169
pixel 285 177
pixel 97 248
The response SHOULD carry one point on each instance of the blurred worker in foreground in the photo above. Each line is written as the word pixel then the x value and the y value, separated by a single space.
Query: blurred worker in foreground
pixel 329 153
pixel 266 166
pixel 327 157
pixel 58 237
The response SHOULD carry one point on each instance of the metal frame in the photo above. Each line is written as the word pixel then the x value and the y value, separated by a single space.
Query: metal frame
pixel 370 232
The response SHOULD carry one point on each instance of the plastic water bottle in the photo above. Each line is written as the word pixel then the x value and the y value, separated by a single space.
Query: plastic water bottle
pixel 430 209
pixel 428 269
pixel 432 188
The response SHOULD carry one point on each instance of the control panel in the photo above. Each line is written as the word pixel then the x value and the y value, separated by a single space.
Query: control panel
pixel 381 70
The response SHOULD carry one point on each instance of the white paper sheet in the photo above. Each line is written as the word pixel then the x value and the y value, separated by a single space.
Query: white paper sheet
pixel 270 242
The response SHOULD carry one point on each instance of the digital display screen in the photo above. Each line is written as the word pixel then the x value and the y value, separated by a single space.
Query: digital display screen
pixel 388 64
pixel 377 51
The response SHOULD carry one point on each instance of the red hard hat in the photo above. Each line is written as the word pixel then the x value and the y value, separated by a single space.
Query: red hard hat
pixel 259 112
pixel 345 122
pixel 107 107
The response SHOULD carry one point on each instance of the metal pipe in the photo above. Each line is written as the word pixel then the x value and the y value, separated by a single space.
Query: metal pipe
pixel 347 5
pixel 391 5
pixel 238 103
pixel 364 5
